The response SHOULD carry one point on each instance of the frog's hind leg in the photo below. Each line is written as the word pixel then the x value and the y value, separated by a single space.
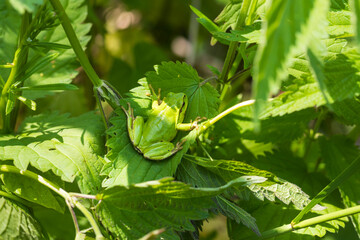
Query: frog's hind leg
pixel 159 150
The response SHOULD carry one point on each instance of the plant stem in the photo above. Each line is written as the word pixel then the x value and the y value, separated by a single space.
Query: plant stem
pixel 308 222
pixel 7 66
pixel 68 198
pixel 20 58
pixel 75 43
pixel 210 122
pixel 344 175
pixel 313 133
pixel 230 56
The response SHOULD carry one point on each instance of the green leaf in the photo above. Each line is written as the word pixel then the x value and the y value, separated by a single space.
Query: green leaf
pixel 126 165
pixel 338 152
pixel 134 225
pixel 52 87
pixel 49 45
pixel 63 69
pixel 10 103
pixel 340 81
pixel 17 223
pixel 339 4
pixel 348 110
pixel 288 30
pixel 29 103
pixel 32 191
pixel 231 169
pixel 181 77
pixel 167 194
pixel 164 197
pixel 237 214
pixel 205 21
pixel 57 225
pixel 228 16
pixel 247 34
pixel 340 25
pixel 25 5
pixel 60 70
pixel 199 176
pixel 67 146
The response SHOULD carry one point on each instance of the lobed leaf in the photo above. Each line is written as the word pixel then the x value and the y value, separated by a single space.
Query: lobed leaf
pixel 181 77
pixel 69 147
pixel 273 188
pixel 173 203
pixel 340 25
pixel 288 29
pixel 237 214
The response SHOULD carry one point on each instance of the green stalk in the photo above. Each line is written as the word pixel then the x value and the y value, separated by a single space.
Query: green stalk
pixel 7 66
pixel 75 43
pixel 212 121
pixel 67 196
pixel 106 91
pixel 351 169
pixel 230 56
pixel 308 222
pixel 20 58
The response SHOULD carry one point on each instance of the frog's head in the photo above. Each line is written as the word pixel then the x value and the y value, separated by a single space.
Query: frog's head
pixel 178 102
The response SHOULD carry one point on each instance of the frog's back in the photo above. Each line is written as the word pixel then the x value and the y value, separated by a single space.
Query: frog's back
pixel 158 129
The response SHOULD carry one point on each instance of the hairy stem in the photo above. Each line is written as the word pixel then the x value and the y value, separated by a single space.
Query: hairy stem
pixel 75 43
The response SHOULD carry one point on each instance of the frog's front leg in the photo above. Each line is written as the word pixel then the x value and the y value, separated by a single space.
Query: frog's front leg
pixel 134 125
pixel 160 150
pixel 189 126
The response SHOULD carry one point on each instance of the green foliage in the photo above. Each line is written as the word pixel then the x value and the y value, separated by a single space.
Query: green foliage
pixel 56 68
pixel 22 6
pixel 17 223
pixel 339 152
pixel 175 203
pixel 276 181
pixel 288 30
pixel 278 215
pixel 32 191
pixel 69 147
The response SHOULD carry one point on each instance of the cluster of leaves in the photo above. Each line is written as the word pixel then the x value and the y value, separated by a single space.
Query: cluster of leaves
pixel 257 165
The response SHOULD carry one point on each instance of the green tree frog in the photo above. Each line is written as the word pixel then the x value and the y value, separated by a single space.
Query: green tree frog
pixel 152 138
